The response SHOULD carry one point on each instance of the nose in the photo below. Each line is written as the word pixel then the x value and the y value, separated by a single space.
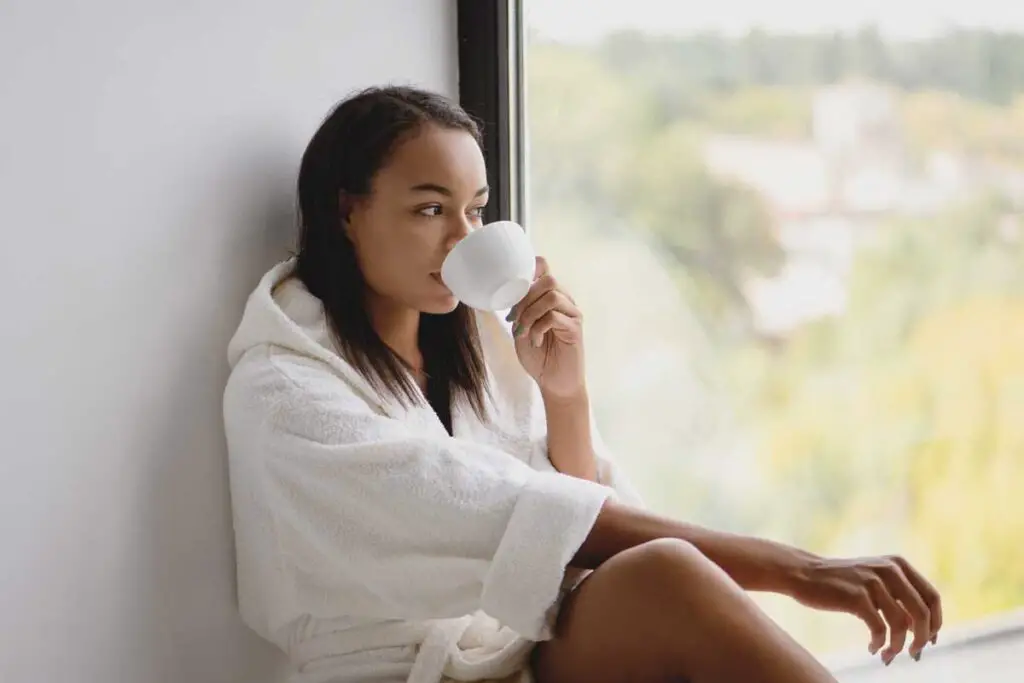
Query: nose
pixel 460 227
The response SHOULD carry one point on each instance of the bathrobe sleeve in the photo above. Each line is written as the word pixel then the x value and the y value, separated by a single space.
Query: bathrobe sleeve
pixel 361 515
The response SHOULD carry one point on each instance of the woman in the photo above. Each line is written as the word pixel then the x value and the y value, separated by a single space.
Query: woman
pixel 419 495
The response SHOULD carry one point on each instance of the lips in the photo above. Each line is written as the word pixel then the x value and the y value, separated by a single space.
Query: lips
pixel 436 277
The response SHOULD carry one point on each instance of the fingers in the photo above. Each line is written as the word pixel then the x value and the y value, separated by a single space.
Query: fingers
pixel 551 300
pixel 542 268
pixel 544 296
pixel 889 595
pixel 556 322
pixel 543 282
pixel 867 610
pixel 529 321
pixel 541 287
pixel 928 593
pixel 897 618
pixel 900 588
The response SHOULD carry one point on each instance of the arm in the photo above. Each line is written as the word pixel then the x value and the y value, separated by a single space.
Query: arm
pixel 549 343
pixel 755 564
pixel 574 447
pixel 570 445
pixel 886 592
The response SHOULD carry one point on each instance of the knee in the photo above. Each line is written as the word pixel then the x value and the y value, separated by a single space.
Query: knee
pixel 665 566
pixel 665 552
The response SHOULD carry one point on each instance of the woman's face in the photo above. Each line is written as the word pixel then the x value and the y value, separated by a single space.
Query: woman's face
pixel 428 196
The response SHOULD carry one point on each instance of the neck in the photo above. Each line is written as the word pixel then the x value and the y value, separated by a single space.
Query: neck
pixel 398 326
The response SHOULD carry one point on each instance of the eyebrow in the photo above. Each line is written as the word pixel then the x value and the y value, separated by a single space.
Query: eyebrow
pixel 441 189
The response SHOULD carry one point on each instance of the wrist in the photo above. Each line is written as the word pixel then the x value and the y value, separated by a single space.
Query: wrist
pixel 792 570
pixel 761 565
pixel 574 398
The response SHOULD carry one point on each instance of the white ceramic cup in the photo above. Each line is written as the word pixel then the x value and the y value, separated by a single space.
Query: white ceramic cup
pixel 492 268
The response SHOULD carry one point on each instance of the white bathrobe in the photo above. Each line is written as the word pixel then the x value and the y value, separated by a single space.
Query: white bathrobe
pixel 373 547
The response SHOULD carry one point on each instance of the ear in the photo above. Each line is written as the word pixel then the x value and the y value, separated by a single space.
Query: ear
pixel 346 208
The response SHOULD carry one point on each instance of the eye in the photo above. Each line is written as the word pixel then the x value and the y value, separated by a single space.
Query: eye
pixel 478 212
pixel 429 211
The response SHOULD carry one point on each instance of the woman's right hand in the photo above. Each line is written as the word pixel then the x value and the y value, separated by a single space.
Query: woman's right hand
pixel 887 593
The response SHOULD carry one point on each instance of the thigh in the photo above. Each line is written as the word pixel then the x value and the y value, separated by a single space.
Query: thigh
pixel 608 629
pixel 663 611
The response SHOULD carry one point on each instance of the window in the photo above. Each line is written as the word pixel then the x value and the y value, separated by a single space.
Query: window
pixel 798 241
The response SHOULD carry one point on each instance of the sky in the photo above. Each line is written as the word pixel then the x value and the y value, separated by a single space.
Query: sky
pixel 581 20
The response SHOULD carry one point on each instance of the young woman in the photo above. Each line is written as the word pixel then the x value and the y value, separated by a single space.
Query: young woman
pixel 419 494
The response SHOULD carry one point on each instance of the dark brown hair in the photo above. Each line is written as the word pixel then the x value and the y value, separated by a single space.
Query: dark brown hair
pixel 352 144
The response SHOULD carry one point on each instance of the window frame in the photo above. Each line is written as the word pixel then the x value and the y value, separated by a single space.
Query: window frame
pixel 491 40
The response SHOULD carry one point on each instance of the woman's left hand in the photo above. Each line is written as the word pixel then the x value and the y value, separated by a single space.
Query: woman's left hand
pixel 887 593
pixel 548 330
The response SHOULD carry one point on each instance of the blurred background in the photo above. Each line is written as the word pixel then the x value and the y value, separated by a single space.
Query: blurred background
pixel 797 235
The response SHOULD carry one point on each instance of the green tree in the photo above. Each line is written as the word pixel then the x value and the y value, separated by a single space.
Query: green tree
pixel 977 64
pixel 717 232
pixel 595 142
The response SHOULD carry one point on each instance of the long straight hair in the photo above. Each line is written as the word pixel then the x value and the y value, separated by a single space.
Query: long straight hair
pixel 352 144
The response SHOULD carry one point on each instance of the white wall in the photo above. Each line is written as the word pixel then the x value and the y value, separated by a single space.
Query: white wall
pixel 147 157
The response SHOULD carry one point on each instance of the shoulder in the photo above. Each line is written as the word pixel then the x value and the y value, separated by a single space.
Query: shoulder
pixel 269 382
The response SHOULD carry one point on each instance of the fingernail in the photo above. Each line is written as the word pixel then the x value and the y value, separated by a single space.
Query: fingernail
pixel 511 315
pixel 516 330
pixel 916 656
pixel 935 639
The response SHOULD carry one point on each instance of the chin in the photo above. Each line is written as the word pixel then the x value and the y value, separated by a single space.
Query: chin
pixel 439 306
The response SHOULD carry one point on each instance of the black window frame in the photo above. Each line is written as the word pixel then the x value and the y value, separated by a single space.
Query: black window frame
pixel 490 44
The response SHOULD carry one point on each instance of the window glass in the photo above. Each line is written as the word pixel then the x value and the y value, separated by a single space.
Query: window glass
pixel 797 239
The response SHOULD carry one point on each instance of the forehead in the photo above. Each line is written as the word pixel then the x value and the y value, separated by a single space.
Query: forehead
pixel 447 157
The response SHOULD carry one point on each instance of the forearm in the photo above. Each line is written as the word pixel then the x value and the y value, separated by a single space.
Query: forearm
pixel 755 564
pixel 570 445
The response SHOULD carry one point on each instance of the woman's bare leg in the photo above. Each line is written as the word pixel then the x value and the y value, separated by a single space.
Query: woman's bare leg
pixel 663 612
